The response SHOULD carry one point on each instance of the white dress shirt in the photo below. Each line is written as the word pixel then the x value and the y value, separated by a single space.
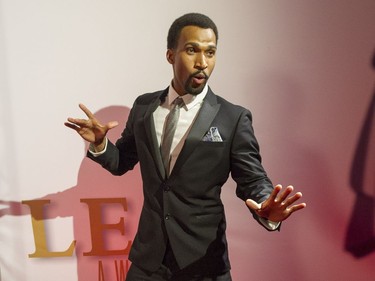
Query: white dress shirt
pixel 188 113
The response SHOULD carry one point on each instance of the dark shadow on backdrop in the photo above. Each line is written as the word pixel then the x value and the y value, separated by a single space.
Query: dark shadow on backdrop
pixel 360 236
pixel 93 182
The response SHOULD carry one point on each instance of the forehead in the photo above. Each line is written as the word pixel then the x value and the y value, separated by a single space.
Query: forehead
pixel 195 34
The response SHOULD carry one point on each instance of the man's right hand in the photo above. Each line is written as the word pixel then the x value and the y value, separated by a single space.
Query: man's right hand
pixel 91 129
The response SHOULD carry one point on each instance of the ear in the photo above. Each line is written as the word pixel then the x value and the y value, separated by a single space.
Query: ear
pixel 170 56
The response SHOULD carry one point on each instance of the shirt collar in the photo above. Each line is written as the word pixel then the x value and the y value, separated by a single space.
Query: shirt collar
pixel 189 100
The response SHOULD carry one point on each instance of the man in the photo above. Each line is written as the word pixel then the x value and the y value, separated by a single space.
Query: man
pixel 181 233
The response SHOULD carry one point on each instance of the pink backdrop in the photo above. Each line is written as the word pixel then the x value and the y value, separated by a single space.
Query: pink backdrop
pixel 304 68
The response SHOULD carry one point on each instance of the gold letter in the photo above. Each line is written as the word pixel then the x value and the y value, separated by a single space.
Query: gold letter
pixel 41 250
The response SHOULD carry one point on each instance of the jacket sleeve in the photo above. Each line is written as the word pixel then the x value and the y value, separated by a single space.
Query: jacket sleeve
pixel 122 156
pixel 246 167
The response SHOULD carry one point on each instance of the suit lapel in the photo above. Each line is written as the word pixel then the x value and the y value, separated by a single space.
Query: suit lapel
pixel 151 133
pixel 205 116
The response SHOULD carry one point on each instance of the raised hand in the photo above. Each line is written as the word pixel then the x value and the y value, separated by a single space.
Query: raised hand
pixel 90 129
pixel 279 206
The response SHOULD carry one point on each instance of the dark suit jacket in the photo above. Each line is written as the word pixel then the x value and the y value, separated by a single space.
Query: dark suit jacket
pixel 185 208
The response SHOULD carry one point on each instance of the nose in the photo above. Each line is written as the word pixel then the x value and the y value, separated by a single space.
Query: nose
pixel 201 62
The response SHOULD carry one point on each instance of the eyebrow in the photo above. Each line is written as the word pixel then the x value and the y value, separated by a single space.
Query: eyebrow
pixel 210 47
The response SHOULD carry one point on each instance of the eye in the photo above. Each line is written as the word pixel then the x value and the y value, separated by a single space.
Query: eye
pixel 190 50
pixel 210 53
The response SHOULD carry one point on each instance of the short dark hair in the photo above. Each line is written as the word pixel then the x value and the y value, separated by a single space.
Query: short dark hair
pixel 191 19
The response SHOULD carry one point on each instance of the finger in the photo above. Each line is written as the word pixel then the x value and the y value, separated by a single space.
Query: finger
pixel 79 122
pixel 293 198
pixel 253 205
pixel 275 192
pixel 283 195
pixel 295 208
pixel 86 111
pixel 112 124
pixel 71 126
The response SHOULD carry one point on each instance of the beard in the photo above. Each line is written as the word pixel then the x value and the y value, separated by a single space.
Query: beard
pixel 191 88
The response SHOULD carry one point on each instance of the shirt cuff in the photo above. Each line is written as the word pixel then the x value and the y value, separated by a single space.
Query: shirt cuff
pixel 96 154
pixel 271 225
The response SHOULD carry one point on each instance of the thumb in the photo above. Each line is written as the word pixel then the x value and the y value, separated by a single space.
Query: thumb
pixel 253 205
pixel 112 124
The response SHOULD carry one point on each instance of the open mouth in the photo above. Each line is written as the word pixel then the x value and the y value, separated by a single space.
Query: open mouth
pixel 199 78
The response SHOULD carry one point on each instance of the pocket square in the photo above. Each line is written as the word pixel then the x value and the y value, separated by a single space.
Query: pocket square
pixel 213 135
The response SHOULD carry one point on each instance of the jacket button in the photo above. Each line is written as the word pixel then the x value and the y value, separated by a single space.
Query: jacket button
pixel 167 216
pixel 166 187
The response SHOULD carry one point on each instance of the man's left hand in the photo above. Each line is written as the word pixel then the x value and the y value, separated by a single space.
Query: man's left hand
pixel 279 206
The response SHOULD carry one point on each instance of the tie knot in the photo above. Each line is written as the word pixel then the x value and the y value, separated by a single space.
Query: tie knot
pixel 178 102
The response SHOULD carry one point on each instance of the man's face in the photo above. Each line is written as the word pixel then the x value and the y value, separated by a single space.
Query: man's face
pixel 193 59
